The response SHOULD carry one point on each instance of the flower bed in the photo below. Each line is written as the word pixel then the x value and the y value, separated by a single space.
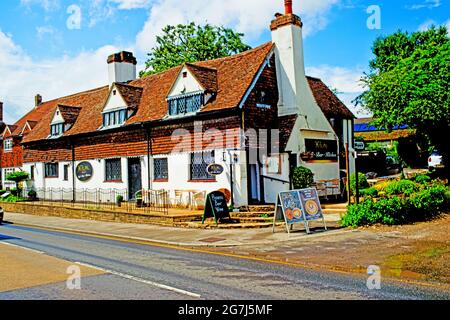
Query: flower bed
pixel 399 202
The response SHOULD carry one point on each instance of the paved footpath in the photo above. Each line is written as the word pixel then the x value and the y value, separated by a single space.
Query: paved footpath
pixel 167 235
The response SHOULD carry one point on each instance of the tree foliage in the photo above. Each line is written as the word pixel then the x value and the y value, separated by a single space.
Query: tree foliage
pixel 192 43
pixel 409 85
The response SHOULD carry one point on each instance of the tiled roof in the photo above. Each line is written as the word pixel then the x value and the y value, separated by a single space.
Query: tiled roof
pixel 234 76
pixel 330 104
pixel 207 77
pixel 69 113
pixel 131 94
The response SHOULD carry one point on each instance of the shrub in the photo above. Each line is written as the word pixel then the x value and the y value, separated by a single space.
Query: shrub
pixel 385 211
pixel 302 178
pixel 362 182
pixel 421 205
pixel 369 192
pixel 32 194
pixel 15 192
pixel 406 187
pixel 119 199
pixel 422 178
pixel 17 177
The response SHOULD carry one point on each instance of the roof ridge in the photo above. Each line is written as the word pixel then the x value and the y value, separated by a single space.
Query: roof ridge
pixel 75 94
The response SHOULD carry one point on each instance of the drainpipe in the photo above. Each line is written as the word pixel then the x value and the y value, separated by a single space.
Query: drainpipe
pixel 73 172
pixel 149 151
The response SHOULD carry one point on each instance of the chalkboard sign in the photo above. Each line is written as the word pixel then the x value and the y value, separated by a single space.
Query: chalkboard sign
pixel 298 206
pixel 216 207
pixel 84 171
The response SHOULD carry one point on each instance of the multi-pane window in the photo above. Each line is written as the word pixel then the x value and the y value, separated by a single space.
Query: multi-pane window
pixel 32 173
pixel 57 129
pixel 199 165
pixel 113 170
pixel 51 170
pixel 114 118
pixel 161 169
pixel 8 144
pixel 186 104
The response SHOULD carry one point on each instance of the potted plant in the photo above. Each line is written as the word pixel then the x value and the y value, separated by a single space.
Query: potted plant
pixel 302 178
pixel 139 200
pixel 32 195
pixel 119 200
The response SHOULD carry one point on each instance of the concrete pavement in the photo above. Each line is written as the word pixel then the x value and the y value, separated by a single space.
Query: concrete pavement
pixel 175 236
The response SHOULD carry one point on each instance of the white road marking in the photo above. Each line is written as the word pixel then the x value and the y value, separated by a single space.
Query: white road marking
pixel 25 248
pixel 130 277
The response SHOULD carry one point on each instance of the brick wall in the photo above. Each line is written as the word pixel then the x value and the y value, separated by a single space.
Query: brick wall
pixel 14 158
pixel 134 142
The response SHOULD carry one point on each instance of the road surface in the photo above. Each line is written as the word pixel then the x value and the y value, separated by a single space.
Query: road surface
pixel 128 270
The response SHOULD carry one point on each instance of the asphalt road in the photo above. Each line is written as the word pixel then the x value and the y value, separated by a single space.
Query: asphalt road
pixel 140 271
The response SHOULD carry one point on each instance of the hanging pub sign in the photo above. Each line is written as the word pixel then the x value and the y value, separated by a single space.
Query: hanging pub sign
pixel 215 169
pixel 84 171
pixel 298 206
pixel 320 151
pixel 216 207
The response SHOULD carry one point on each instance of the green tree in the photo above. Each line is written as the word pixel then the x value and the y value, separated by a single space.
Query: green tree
pixel 409 85
pixel 192 43
pixel 17 177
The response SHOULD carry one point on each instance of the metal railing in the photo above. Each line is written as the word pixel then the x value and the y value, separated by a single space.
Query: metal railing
pixel 100 199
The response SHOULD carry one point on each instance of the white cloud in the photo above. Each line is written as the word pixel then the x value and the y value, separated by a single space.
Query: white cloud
pixel 47 5
pixel 427 4
pixel 131 4
pixel 51 78
pixel 427 25
pixel 447 24
pixel 251 17
pixel 345 81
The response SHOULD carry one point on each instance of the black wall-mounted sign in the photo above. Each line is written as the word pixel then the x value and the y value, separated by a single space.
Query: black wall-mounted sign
pixel 215 169
pixel 216 207
pixel 84 171
pixel 320 151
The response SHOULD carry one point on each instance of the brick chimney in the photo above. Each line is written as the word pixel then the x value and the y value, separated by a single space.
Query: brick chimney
pixel 37 100
pixel 121 67
pixel 287 36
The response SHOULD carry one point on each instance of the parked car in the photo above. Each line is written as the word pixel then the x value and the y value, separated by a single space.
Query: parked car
pixel 393 167
pixel 435 161
pixel 1 215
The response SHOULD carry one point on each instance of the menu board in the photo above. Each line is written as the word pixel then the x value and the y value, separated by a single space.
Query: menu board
pixel 298 206
pixel 216 207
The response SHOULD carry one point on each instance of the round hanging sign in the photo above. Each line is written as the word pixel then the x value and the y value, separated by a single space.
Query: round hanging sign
pixel 84 171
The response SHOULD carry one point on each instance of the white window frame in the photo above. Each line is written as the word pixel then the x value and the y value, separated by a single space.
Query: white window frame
pixel 8 144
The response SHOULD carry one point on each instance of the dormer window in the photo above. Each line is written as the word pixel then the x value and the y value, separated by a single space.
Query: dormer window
pixel 114 118
pixel 185 104
pixel 57 130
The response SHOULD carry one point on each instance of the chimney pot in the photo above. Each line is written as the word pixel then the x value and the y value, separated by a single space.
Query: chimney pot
pixel 288 6
pixel 37 100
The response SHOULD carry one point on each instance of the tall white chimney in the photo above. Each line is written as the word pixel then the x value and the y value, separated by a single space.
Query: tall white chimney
pixel 288 39
pixel 121 67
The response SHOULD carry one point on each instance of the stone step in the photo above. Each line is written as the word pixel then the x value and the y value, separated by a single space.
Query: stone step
pixel 251 214
pixel 212 225
pixel 257 208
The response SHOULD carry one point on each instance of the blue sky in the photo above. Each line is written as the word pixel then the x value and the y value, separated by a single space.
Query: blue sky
pixel 46 47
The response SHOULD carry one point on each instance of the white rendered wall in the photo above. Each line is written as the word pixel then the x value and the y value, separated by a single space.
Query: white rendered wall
pixel 185 85
pixel 121 72
pixel 115 101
